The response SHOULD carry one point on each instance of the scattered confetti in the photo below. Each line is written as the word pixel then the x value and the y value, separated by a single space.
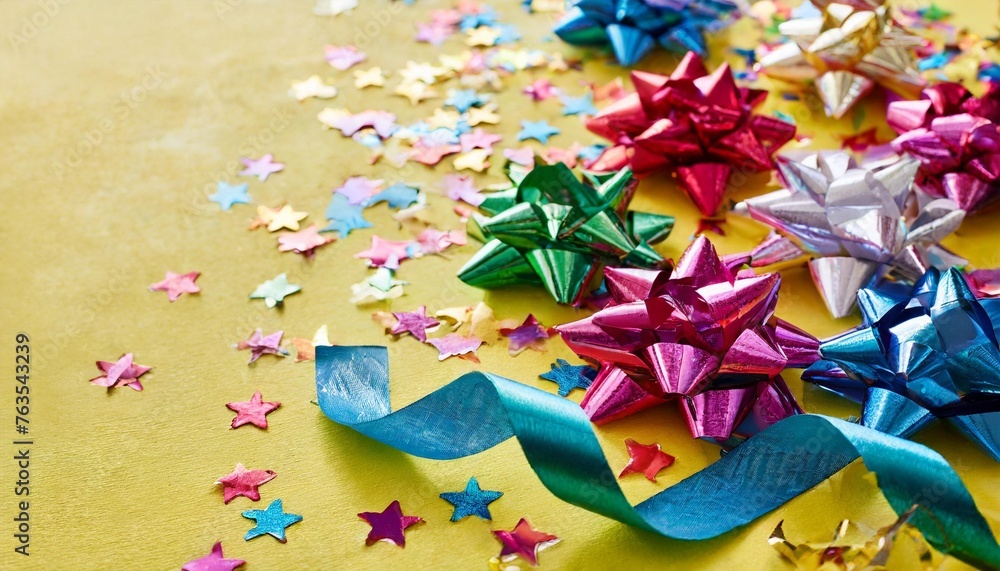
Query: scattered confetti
pixel 373 77
pixel 275 219
pixel 302 242
pixel 176 284
pixel 524 541
pixel 473 501
pixel 261 345
pixel 214 561
pixel 121 373
pixel 229 194
pixel 455 345
pixel 528 335
pixel 343 57
pixel 312 87
pixel 415 323
pixel 645 459
pixel 271 521
pixel 243 482
pixel 569 377
pixel 254 411
pixel 389 525
pixel 274 291
pixel 538 130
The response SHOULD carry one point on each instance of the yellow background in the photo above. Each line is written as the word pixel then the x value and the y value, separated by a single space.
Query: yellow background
pixel 125 480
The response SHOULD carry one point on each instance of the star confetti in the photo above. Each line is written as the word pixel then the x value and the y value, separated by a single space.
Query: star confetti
pixel 262 167
pixel 274 291
pixel 263 345
pixel 312 87
pixel 538 130
pixel 122 373
pixel 303 242
pixel 399 195
pixel 415 323
pixel 278 218
pixel 388 252
pixel 582 105
pixel 359 189
pixel 214 561
pixel 479 139
pixel 455 345
pixel 473 501
pixel 460 187
pixel 541 89
pixel 474 160
pixel 528 335
pixel 253 412
pixel 243 482
pixel 415 91
pixel 176 284
pixel 227 195
pixel 373 77
pixel 271 521
pixel 389 525
pixel 524 541
pixel 344 216
pixel 645 459
pixel 569 377
pixel 380 286
pixel 349 123
pixel 343 57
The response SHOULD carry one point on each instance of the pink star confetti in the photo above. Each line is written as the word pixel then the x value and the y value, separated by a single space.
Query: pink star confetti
pixel 528 335
pixel 525 156
pixel 359 190
pixel 645 459
pixel 553 155
pixel 303 242
pixel 541 89
pixel 214 561
pixel 387 252
pixel 262 167
pixel 343 57
pixel 434 33
pixel 455 345
pixel 434 241
pixel 348 123
pixel 524 541
pixel 176 284
pixel 460 187
pixel 389 525
pixel 121 373
pixel 479 139
pixel 432 155
pixel 261 345
pixel 243 482
pixel 253 412
pixel 415 323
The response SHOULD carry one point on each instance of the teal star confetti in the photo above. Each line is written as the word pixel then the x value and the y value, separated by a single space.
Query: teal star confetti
pixel 569 377
pixel 473 501
pixel 538 130
pixel 582 105
pixel 399 195
pixel 229 194
pixel 271 521
pixel 344 216
pixel 273 291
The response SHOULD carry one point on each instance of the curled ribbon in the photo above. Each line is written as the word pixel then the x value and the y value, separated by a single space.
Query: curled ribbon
pixel 479 410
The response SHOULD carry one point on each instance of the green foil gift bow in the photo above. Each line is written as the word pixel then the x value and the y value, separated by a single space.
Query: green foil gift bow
pixel 553 229
pixel 479 410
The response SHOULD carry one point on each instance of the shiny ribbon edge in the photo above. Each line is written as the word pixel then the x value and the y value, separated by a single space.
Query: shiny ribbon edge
pixel 480 410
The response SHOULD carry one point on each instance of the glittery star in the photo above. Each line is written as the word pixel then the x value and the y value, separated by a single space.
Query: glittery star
pixel 459 187
pixel 359 189
pixel 645 459
pixel 582 105
pixel 538 130
pixel 373 77
pixel 415 323
pixel 229 194
pixel 176 284
pixel 455 345
pixel 262 167
pixel 271 521
pixel 482 36
pixel 524 541
pixel 121 373
pixel 254 411
pixel 433 33
pixel 474 160
pixel 243 482
pixel 415 91
pixel 214 561
pixel 261 345
pixel 387 252
pixel 389 525
pixel 273 291
pixel 276 219
pixel 479 139
pixel 473 501
pixel 399 195
pixel 569 377
pixel 303 242
pixel 343 57
pixel 541 89
pixel 344 216
pixel 529 334
pixel 312 87
pixel 484 114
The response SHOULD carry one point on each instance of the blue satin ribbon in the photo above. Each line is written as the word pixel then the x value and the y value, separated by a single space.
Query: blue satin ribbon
pixel 479 410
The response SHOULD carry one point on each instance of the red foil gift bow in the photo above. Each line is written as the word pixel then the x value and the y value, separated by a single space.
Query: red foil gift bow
pixel 704 335
pixel 699 125
pixel 956 138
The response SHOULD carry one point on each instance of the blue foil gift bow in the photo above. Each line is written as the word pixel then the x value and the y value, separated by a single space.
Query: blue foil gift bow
pixel 479 410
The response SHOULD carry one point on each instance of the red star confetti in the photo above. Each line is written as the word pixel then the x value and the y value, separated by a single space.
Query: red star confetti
pixel 541 89
pixel 528 335
pixel 261 345
pixel 303 242
pixel 176 284
pixel 343 57
pixel 262 167
pixel 460 187
pixel 860 142
pixel 243 482
pixel 253 412
pixel 645 459
pixel 387 252
pixel 121 373
pixel 214 561
pixel 415 323
pixel 455 345
pixel 524 541
pixel 389 525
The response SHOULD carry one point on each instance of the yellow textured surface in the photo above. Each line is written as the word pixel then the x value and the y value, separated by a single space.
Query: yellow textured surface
pixel 125 480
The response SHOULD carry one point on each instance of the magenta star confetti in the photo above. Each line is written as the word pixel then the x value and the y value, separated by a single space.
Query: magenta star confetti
pixel 455 345
pixel 415 323
pixel 261 345
pixel 460 187
pixel 524 541
pixel 262 167
pixel 387 252
pixel 479 139
pixel 343 57
pixel 359 190
pixel 647 459
pixel 541 89
pixel 389 525
pixel 176 284
pixel 214 561
pixel 303 242
pixel 121 373
pixel 243 482
pixel 528 335
pixel 253 411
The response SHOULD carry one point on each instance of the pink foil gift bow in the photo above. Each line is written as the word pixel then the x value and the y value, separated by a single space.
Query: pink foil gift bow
pixel 845 52
pixel 857 221
pixel 956 138
pixel 704 335
pixel 700 126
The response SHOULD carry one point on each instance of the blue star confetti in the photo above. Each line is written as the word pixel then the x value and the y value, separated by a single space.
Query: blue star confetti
pixel 274 291
pixel 464 99
pixel 538 130
pixel 227 195
pixel 569 377
pixel 473 501
pixel 582 105
pixel 271 521
pixel 399 195
pixel 344 216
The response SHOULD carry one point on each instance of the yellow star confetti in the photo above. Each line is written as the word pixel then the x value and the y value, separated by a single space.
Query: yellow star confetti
pixel 312 87
pixel 415 91
pixel 422 72
pixel 484 114
pixel 482 36
pixel 442 118
pixel 330 116
pixel 455 316
pixel 276 219
pixel 454 63
pixel 475 160
pixel 373 77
